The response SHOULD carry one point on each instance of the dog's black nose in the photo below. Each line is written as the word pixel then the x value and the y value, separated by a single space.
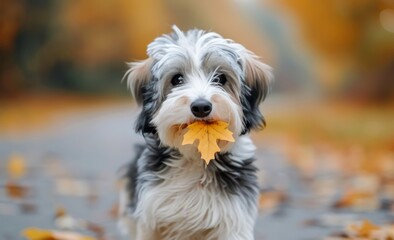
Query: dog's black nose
pixel 201 108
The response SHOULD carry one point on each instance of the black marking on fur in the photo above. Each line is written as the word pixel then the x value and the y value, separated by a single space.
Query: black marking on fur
pixel 153 157
pixel 235 177
pixel 150 98
pixel 250 100
pixel 131 176
pixel 156 157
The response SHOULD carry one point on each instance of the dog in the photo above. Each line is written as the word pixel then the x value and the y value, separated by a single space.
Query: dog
pixel 169 192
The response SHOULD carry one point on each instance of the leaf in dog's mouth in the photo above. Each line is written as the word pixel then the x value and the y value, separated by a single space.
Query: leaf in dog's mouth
pixel 207 133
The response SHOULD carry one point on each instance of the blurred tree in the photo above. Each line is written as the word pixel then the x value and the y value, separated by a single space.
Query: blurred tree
pixel 11 21
pixel 355 52
pixel 82 45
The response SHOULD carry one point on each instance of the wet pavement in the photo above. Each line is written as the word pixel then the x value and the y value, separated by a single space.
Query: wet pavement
pixel 84 151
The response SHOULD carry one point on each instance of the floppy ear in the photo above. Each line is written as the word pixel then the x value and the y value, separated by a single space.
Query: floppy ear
pixel 258 78
pixel 138 76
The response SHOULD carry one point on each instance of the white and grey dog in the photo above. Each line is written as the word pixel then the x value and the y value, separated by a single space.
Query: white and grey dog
pixel 170 193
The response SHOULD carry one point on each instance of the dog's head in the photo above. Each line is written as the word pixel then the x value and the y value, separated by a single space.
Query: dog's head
pixel 198 76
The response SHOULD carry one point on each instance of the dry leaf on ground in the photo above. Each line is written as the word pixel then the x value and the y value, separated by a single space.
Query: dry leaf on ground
pixel 16 166
pixel 207 133
pixel 363 229
pixel 16 191
pixel 43 234
pixel 270 200
pixel 358 201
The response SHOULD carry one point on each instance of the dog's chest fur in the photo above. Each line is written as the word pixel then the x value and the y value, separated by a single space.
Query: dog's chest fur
pixel 184 199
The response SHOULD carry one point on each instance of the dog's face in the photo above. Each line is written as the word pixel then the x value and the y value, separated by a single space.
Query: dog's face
pixel 198 76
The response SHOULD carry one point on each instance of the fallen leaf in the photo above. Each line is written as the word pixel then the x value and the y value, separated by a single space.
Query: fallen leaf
pixel 16 166
pixel 37 234
pixel 358 200
pixel 60 212
pixel 272 199
pixel 15 190
pixel 363 229
pixel 207 133
pixel 43 234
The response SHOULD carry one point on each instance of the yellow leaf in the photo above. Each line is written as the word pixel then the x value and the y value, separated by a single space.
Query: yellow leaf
pixel 16 166
pixel 365 229
pixel 207 133
pixel 43 234
pixel 37 234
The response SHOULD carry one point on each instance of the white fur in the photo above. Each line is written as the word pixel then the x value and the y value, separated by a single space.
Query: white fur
pixel 187 203
pixel 175 110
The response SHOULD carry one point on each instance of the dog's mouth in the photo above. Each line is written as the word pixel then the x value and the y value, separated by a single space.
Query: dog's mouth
pixel 181 127
pixel 205 120
pixel 178 130
pixel 184 125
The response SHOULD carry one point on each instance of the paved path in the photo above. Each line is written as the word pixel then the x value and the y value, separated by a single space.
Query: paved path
pixel 91 146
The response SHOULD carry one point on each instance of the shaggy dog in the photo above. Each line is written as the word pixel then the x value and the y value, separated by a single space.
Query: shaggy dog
pixel 170 193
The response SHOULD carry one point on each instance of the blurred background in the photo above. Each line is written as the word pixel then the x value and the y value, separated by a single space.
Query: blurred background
pixel 334 48
pixel 66 118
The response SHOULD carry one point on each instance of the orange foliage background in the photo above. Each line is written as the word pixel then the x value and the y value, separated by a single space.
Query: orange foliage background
pixel 331 48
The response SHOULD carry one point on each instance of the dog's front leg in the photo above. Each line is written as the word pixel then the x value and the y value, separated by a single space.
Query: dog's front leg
pixel 146 233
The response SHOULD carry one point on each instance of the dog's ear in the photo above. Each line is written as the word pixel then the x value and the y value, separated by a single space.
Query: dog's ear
pixel 138 78
pixel 258 78
pixel 138 75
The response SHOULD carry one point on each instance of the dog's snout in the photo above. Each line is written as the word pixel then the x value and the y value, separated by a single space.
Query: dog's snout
pixel 201 108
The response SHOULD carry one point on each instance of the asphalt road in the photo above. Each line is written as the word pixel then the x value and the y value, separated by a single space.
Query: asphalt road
pixel 91 146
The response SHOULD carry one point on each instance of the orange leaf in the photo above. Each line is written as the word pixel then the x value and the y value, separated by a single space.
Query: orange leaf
pixel 15 190
pixel 60 212
pixel 16 166
pixel 364 229
pixel 37 234
pixel 43 234
pixel 207 133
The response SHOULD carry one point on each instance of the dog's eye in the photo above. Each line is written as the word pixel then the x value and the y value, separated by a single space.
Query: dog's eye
pixel 220 79
pixel 177 80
